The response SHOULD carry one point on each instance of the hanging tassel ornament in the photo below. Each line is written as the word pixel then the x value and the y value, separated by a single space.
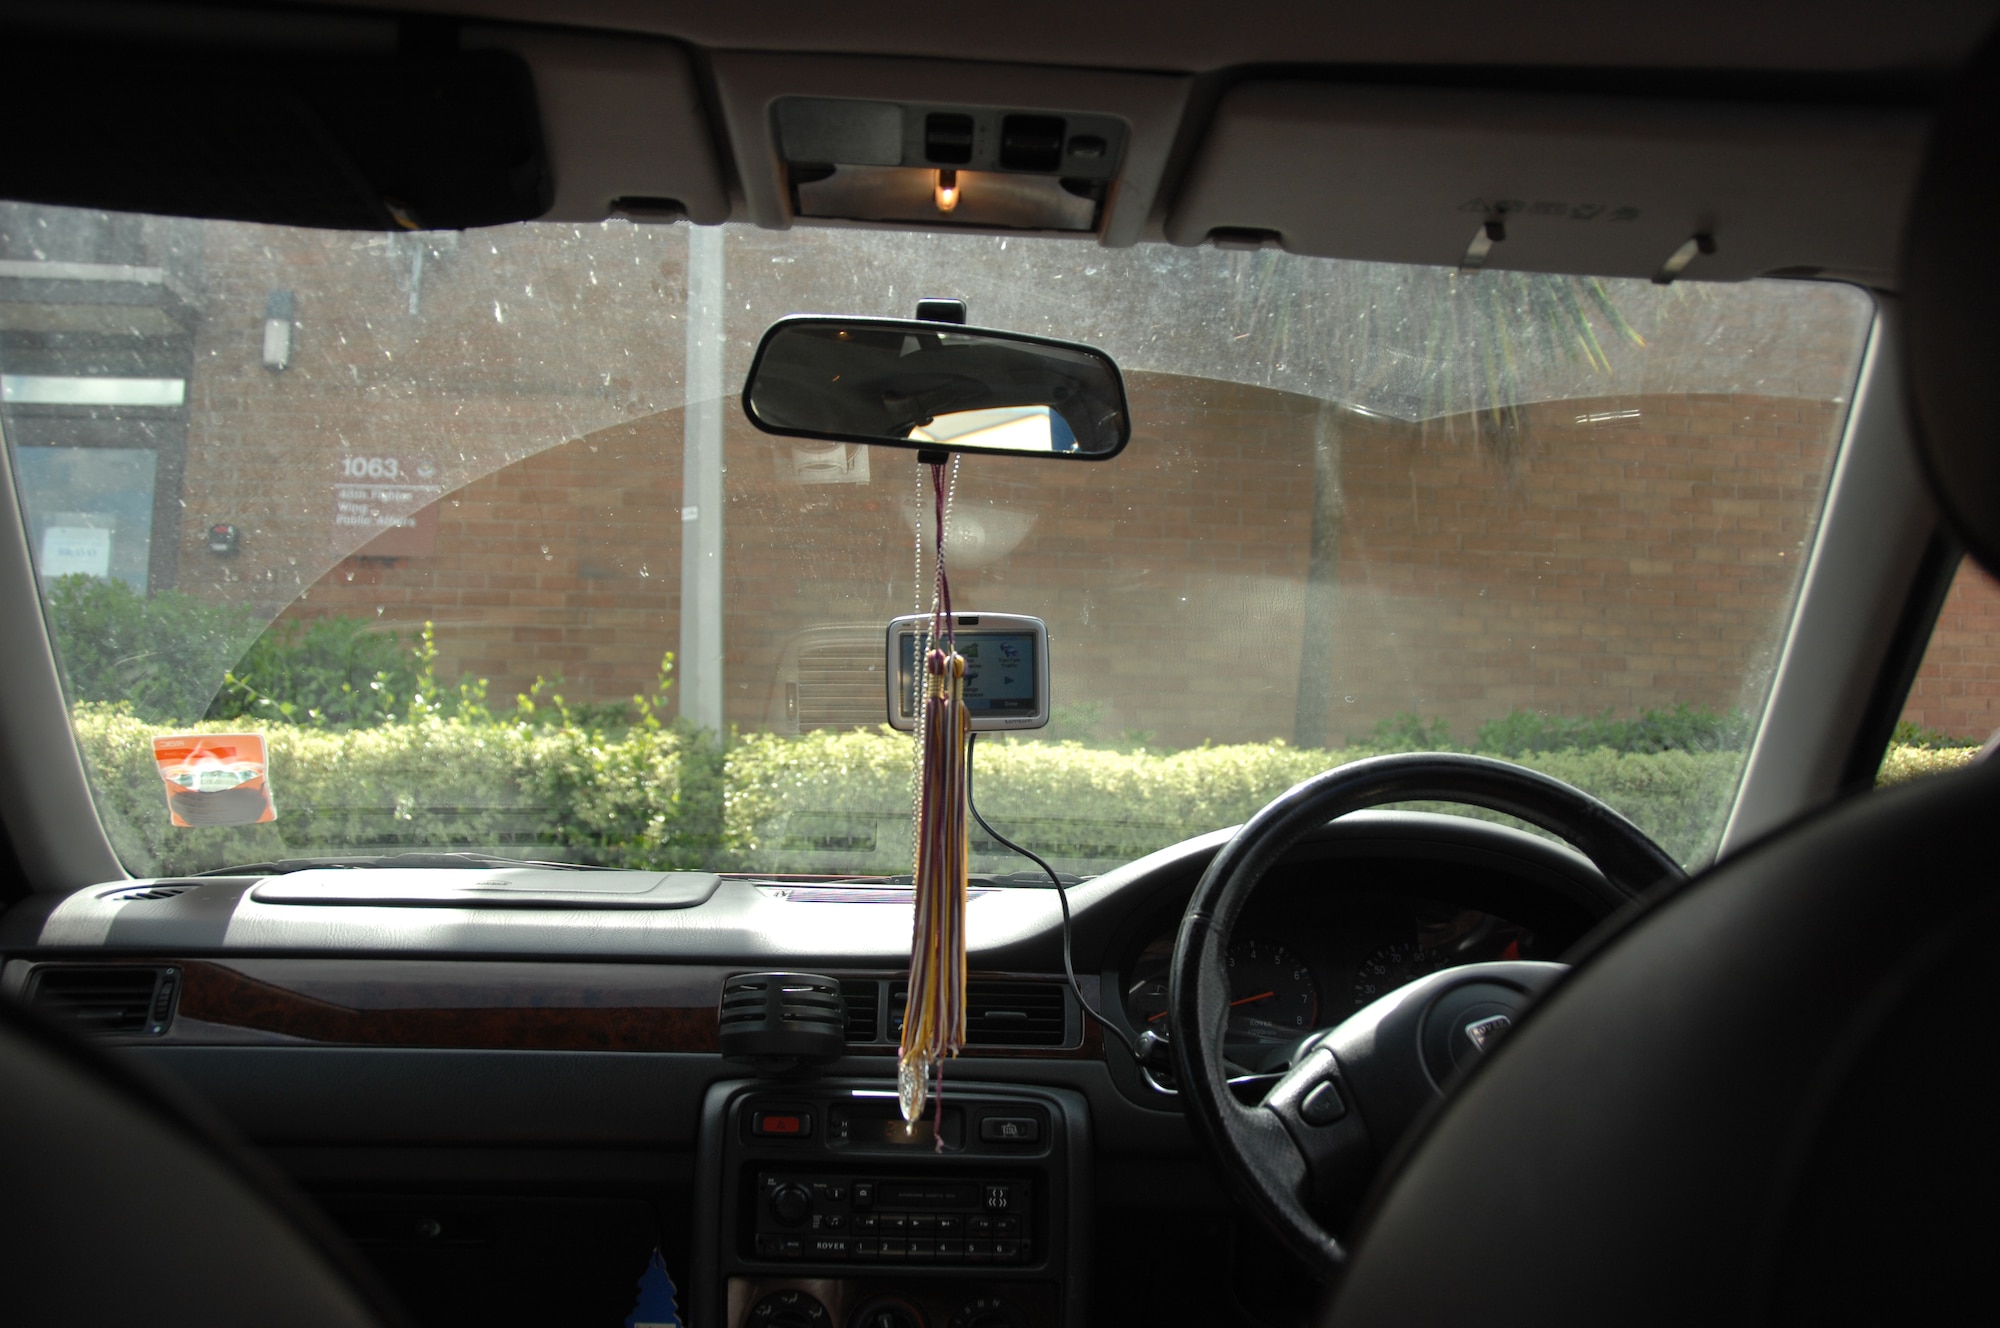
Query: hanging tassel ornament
pixel 934 1018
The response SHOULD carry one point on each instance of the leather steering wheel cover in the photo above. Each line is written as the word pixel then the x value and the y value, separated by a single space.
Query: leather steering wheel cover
pixel 1258 1161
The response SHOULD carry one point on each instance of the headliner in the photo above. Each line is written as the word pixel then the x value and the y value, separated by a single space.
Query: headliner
pixel 1915 38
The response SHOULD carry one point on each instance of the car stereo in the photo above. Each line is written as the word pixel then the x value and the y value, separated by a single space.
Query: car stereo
pixel 832 1211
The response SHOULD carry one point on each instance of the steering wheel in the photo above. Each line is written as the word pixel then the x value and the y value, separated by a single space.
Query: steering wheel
pixel 1303 1157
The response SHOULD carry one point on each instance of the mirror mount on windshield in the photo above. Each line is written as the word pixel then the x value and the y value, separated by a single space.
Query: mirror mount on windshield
pixel 934 385
pixel 941 310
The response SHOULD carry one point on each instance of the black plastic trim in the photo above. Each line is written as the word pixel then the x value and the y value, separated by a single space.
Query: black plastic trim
pixel 1903 656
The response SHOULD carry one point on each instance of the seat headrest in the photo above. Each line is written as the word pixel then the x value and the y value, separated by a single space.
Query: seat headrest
pixel 1951 285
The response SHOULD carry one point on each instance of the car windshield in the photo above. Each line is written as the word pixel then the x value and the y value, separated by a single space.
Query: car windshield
pixel 356 545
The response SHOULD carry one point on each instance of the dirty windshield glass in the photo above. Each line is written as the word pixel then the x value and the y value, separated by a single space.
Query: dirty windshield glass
pixel 361 544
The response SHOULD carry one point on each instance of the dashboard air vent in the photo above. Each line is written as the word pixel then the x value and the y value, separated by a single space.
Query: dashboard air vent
pixel 858 995
pixel 1000 1012
pixel 1014 1014
pixel 782 1021
pixel 106 998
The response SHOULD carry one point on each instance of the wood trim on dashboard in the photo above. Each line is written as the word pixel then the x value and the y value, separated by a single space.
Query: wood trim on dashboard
pixel 493 1005
pixel 565 1017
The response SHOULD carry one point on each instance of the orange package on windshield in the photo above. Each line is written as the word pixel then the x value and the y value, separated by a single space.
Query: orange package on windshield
pixel 215 778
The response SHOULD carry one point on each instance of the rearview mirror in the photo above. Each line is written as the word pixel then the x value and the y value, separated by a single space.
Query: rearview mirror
pixel 909 383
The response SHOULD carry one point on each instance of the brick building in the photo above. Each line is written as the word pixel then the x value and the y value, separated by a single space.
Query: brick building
pixel 484 432
pixel 1957 691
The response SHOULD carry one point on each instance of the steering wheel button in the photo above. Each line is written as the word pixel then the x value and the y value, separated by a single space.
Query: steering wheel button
pixel 1323 1105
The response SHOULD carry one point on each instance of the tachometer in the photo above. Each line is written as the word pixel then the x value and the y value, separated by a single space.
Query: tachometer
pixel 1272 995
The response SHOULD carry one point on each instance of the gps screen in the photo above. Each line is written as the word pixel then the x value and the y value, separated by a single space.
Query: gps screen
pixel 999 672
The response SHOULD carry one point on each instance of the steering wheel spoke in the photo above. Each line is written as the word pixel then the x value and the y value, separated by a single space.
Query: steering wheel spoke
pixel 1314 1102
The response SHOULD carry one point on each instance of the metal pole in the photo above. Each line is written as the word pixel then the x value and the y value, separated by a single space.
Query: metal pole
pixel 698 666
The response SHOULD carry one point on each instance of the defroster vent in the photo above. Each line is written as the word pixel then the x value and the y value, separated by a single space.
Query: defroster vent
pixel 106 998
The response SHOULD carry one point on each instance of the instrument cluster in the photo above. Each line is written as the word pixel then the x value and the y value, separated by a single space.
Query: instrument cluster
pixel 1293 970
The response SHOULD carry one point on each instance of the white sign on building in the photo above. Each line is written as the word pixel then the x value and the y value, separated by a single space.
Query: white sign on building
pixel 67 550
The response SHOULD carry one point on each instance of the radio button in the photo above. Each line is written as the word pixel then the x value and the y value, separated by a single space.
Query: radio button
pixel 922 1247
pixel 867 1247
pixel 950 1250
pixel 894 1247
pixel 790 1204
pixel 1010 1130
pixel 1006 1251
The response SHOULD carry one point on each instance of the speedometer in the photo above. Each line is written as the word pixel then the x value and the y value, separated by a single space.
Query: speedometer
pixel 1389 966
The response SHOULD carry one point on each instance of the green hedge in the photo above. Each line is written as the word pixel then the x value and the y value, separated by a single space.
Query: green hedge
pixel 1905 762
pixel 644 797
pixel 820 802
pixel 841 801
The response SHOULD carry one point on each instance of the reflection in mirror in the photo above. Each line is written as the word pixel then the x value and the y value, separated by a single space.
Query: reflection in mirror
pixel 930 385
pixel 1008 428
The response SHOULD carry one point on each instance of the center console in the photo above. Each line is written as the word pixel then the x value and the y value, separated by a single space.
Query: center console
pixel 832 1213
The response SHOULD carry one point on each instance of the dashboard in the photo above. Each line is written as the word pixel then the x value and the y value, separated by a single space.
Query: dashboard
pixel 459 1072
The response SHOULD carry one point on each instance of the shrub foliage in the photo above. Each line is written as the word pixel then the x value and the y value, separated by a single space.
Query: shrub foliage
pixel 370 754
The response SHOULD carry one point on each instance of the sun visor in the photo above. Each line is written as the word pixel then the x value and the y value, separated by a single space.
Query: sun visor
pixel 624 124
pixel 358 141
pixel 1553 183
pixel 350 122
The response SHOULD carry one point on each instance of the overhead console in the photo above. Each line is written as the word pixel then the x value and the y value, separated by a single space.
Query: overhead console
pixel 1552 183
pixel 947 145
pixel 834 1214
pixel 965 165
